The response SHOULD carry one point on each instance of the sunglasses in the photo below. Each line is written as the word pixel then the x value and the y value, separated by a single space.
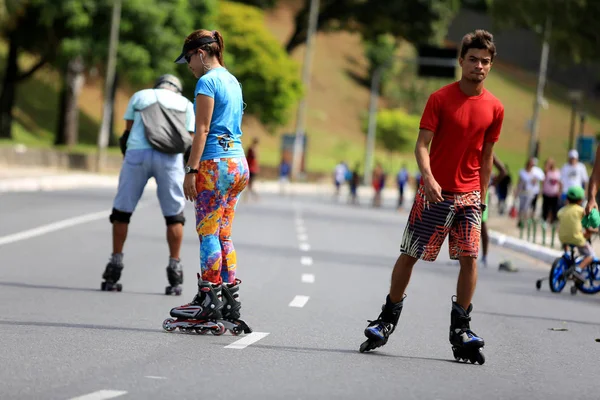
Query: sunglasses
pixel 189 55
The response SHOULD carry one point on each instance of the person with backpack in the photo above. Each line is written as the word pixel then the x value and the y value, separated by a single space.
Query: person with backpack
pixel 159 128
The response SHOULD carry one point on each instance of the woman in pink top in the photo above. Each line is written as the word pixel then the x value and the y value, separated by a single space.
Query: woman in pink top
pixel 551 191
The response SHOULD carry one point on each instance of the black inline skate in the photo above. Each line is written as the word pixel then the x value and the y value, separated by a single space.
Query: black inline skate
pixel 111 276
pixel 202 315
pixel 379 330
pixel 175 277
pixel 231 309
pixel 466 345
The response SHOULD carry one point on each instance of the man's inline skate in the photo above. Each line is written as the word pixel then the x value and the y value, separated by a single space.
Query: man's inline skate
pixel 175 277
pixel 231 309
pixel 466 345
pixel 111 276
pixel 379 330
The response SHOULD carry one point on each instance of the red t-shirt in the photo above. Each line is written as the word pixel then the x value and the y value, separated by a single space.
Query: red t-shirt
pixel 460 124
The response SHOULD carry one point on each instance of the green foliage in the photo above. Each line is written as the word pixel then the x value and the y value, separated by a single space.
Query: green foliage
pixel 405 89
pixel 574 33
pixel 264 4
pixel 379 51
pixel 416 21
pixel 269 77
pixel 396 129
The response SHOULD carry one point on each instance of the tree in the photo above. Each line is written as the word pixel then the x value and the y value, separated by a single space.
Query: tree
pixel 269 77
pixel 36 26
pixel 574 34
pixel 380 50
pixel 417 21
pixel 150 39
pixel 396 129
pixel 264 4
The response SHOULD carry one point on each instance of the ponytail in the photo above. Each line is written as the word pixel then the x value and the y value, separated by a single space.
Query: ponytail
pixel 221 47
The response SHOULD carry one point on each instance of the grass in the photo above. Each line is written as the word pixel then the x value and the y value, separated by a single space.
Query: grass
pixel 337 99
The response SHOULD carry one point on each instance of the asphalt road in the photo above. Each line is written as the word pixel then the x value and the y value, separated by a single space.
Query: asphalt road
pixel 313 272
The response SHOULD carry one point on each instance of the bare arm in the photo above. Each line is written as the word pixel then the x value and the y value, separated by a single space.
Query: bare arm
pixel 502 172
pixel 433 191
pixel 593 183
pixel 422 153
pixel 128 124
pixel 487 163
pixel 204 110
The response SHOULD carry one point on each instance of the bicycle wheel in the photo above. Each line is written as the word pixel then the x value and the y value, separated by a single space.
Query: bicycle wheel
pixel 557 279
pixel 591 284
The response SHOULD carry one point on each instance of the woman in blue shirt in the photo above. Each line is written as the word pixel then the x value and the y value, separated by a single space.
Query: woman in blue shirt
pixel 216 174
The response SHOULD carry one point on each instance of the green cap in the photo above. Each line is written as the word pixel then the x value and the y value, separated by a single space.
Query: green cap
pixel 592 220
pixel 575 193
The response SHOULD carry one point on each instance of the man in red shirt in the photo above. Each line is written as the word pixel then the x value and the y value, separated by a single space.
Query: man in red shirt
pixel 462 122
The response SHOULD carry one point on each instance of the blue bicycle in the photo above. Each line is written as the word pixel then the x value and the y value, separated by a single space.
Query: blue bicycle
pixel 562 271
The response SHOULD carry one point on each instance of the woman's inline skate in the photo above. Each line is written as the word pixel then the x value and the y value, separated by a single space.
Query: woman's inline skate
pixel 215 309
pixel 466 345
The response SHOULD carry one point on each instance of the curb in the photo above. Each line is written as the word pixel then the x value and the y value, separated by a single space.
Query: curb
pixel 536 251
pixel 57 182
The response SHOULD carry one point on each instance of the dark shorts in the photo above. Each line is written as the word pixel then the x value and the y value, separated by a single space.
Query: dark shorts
pixel 459 216
pixel 549 205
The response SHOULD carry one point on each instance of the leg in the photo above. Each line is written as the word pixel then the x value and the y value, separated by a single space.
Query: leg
pixel 401 277
pixel 119 233
pixel 209 211
pixel 426 230
pixel 237 170
pixel 484 240
pixel 168 172
pixel 467 280
pixel 464 244
pixel 132 180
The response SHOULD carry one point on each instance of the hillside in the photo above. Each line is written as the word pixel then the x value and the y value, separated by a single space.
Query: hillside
pixel 336 102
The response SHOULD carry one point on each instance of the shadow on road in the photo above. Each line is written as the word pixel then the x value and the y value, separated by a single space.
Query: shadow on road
pixel 495 314
pixel 344 351
pixel 78 326
pixel 77 289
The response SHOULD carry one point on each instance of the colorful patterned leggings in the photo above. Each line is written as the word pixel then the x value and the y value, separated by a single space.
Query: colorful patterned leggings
pixel 219 185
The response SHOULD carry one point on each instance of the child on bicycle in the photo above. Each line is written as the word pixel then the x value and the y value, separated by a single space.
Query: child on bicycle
pixel 570 229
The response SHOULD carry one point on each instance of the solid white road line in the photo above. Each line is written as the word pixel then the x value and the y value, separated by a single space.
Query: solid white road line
pixel 155 377
pixel 299 301
pixel 56 226
pixel 308 278
pixel 305 260
pixel 101 395
pixel 247 340
pixel 304 246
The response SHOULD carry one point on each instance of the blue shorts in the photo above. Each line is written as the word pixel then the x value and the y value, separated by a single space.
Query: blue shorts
pixel 139 166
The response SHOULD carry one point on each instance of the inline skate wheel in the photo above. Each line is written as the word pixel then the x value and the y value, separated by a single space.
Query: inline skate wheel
pixel 103 286
pixel 168 290
pixel 538 284
pixel 479 357
pixel 219 330
pixel 167 325
pixel 366 346
pixel 573 290
pixel 119 287
pixel 202 331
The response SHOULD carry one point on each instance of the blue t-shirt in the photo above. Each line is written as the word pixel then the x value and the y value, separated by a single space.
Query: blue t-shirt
pixel 225 133
pixel 144 98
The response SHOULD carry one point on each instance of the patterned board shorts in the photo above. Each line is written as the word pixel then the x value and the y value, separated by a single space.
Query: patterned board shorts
pixel 459 215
